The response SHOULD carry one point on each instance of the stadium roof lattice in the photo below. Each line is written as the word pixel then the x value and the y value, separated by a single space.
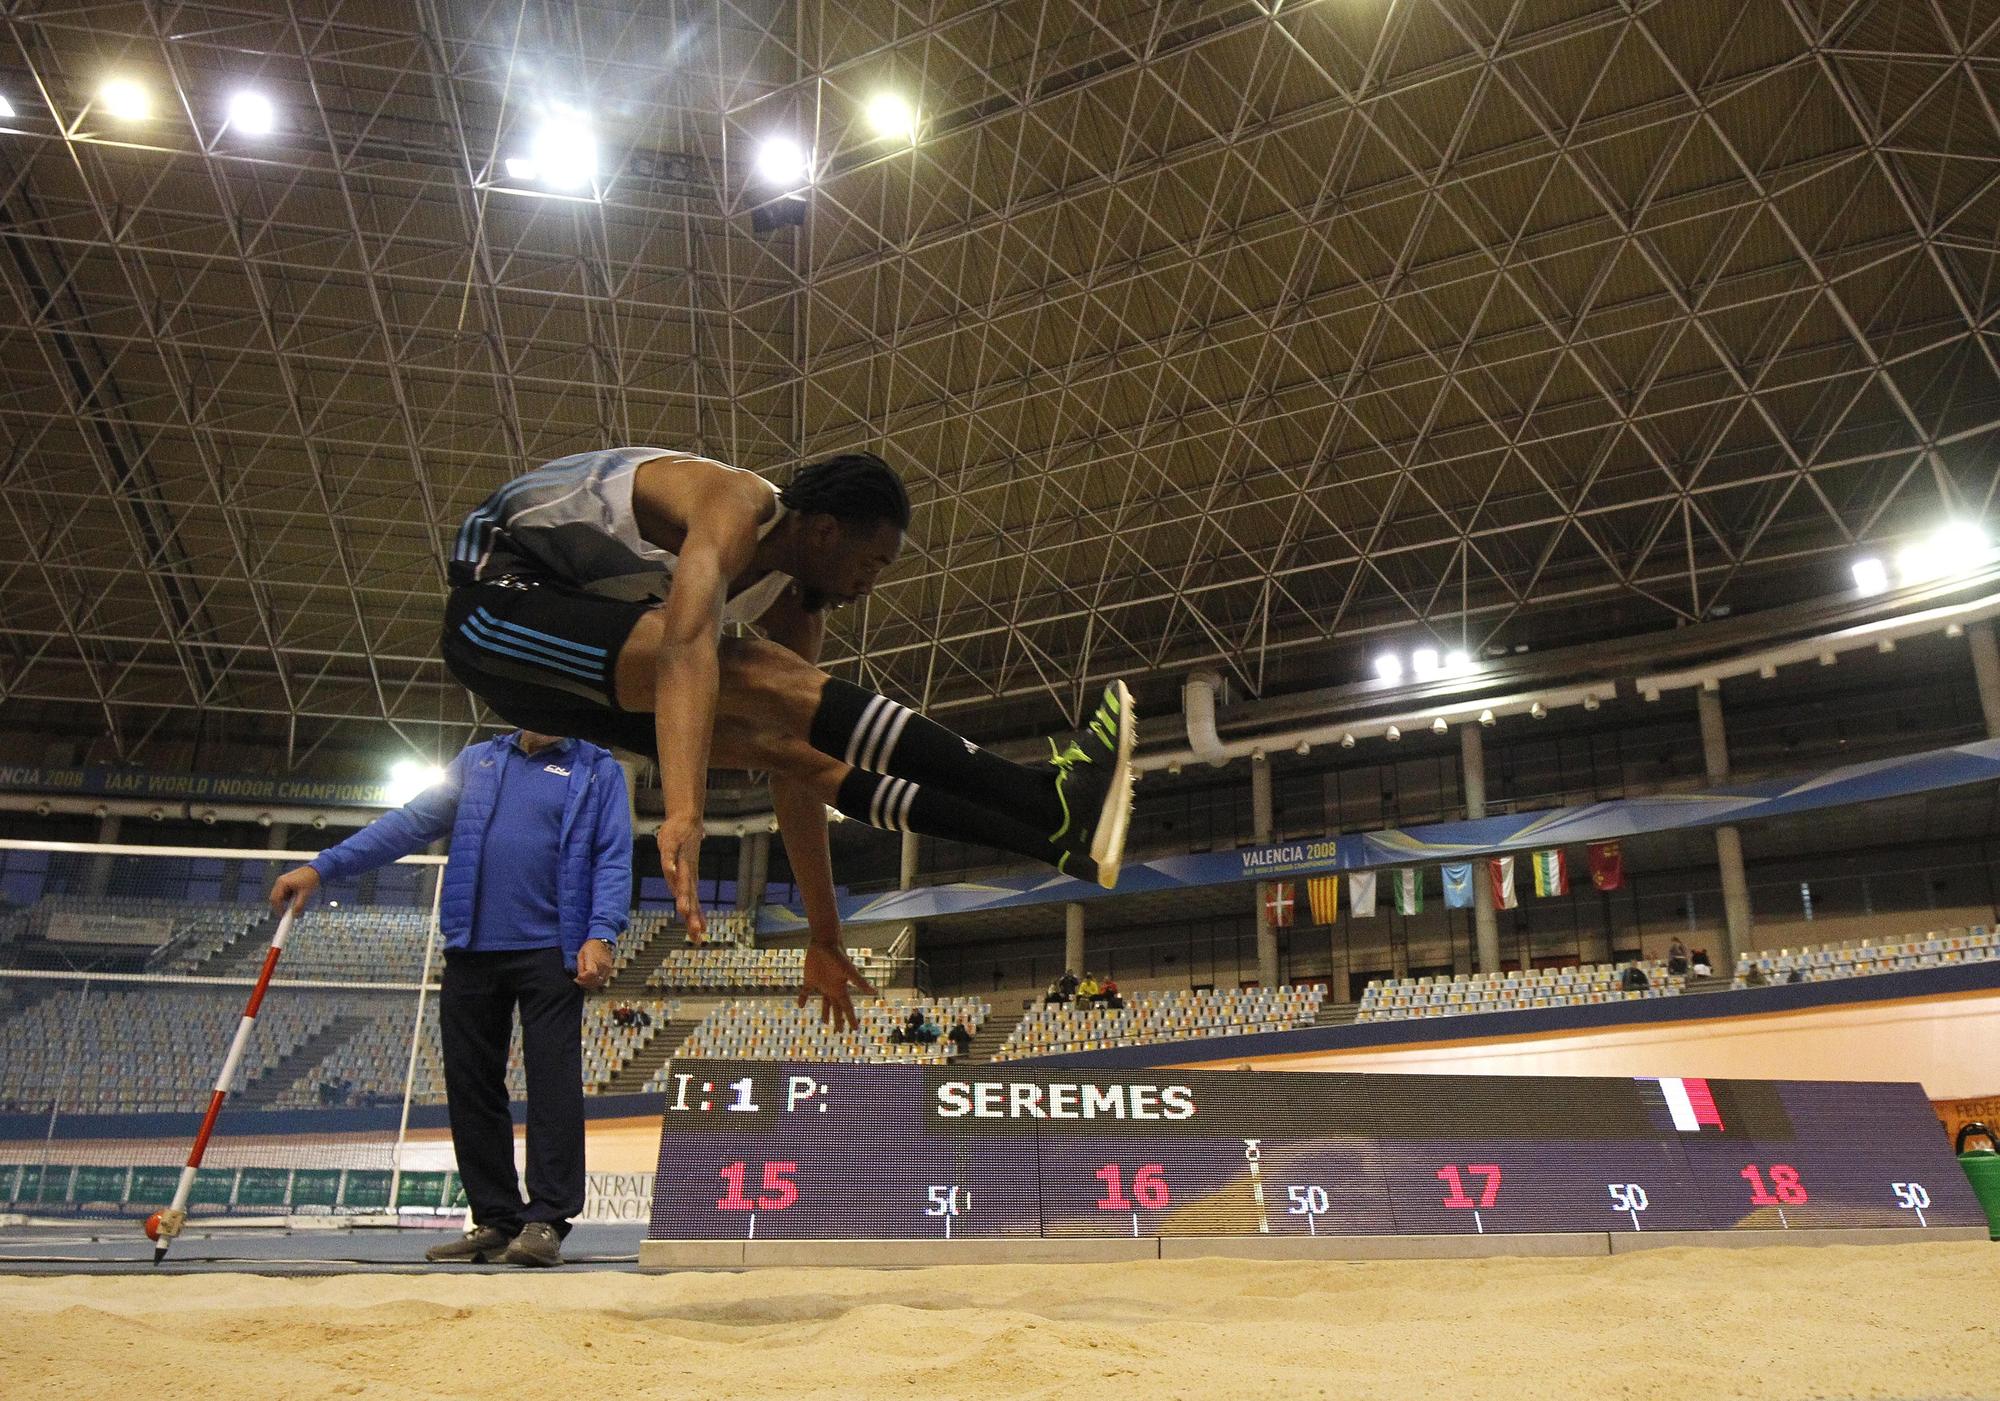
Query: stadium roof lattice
pixel 1219 334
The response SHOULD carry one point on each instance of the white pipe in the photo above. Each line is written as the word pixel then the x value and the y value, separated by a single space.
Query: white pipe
pixel 1875 634
pixel 1461 712
pixel 1198 708
pixel 318 818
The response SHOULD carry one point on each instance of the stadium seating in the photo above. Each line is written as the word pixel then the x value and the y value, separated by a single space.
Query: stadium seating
pixel 1405 999
pixel 372 1063
pixel 733 969
pixel 1823 962
pixel 775 1029
pixel 370 943
pixel 1051 1029
pixel 131 1049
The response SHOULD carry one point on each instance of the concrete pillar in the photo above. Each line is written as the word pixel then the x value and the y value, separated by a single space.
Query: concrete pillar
pixel 1986 671
pixel 1485 929
pixel 753 869
pixel 745 860
pixel 906 876
pixel 1728 842
pixel 1260 820
pixel 1073 938
pixel 97 876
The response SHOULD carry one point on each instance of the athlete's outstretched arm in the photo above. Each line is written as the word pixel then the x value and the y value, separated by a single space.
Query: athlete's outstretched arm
pixel 718 521
pixel 801 811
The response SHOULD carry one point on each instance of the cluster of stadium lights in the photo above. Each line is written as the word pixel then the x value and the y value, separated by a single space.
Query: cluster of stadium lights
pixel 407 778
pixel 1425 664
pixel 562 149
pixel 248 113
pixel 1955 548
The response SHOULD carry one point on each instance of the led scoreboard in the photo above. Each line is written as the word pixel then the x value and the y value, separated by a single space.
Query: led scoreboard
pixel 756 1150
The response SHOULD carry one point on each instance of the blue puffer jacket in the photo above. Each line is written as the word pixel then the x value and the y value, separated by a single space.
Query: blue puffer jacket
pixel 594 873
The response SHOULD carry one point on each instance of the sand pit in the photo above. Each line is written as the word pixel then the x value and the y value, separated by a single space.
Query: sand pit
pixel 1835 1322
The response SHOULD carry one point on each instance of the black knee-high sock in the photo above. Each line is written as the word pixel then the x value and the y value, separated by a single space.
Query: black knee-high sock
pixel 898 805
pixel 874 733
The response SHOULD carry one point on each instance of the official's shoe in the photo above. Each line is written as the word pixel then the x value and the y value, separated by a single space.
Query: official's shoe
pixel 1094 786
pixel 482 1245
pixel 537 1246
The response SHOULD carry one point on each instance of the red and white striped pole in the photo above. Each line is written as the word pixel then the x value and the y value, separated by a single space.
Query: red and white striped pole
pixel 163 1226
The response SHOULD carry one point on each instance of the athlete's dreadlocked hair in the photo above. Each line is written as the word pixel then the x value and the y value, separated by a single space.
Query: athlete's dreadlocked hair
pixel 855 488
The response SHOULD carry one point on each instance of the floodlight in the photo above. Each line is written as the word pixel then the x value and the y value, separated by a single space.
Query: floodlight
pixel 520 168
pixel 1871 576
pixel 1457 660
pixel 782 162
pixel 409 777
pixel 892 117
pixel 1424 662
pixel 252 114
pixel 1389 667
pixel 6 108
pixel 564 151
pixel 125 100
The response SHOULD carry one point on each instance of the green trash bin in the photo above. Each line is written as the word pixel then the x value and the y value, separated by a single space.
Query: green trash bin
pixel 1983 1168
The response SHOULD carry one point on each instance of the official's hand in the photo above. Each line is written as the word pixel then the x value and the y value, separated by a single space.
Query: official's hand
pixel 680 862
pixel 594 965
pixel 294 887
pixel 829 975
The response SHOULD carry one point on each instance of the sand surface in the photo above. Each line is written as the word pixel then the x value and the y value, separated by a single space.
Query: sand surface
pixel 1883 1321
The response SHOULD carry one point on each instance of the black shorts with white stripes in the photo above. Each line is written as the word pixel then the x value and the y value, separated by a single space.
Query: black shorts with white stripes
pixel 545 658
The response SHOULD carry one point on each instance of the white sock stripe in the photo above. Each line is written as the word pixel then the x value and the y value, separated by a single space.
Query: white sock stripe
pixel 903 713
pixel 895 733
pixel 871 758
pixel 877 723
pixel 875 801
pixel 875 703
pixel 903 810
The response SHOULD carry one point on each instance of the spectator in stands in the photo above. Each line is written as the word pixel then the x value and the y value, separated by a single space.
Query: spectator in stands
pixel 537 889
pixel 1677 956
pixel 1107 994
pixel 1755 978
pixel 642 1017
pixel 623 1015
pixel 961 1038
pixel 1634 979
pixel 898 1036
pixel 1087 990
pixel 928 1032
pixel 1700 962
pixel 913 1023
pixel 1066 986
pixel 1797 975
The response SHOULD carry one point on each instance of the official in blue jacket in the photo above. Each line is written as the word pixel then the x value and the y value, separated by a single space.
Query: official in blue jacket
pixel 537 889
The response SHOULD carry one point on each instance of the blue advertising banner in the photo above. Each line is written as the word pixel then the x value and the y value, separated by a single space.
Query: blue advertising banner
pixel 1445 841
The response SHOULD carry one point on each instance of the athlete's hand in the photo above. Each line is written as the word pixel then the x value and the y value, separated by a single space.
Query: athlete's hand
pixel 830 973
pixel 294 888
pixel 680 860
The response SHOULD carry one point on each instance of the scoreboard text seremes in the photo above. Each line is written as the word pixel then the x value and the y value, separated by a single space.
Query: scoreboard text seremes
pixel 1025 1099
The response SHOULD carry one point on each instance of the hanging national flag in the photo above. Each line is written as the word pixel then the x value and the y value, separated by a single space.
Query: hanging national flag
pixel 1323 893
pixel 1278 903
pixel 1607 865
pixel 1501 868
pixel 1361 894
pixel 1551 873
pixel 1457 885
pixel 1408 884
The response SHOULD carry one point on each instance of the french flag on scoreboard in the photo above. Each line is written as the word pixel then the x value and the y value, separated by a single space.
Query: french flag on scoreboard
pixel 1692 1106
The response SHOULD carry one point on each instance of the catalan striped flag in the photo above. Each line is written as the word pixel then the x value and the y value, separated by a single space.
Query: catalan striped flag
pixel 1323 894
pixel 1551 873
